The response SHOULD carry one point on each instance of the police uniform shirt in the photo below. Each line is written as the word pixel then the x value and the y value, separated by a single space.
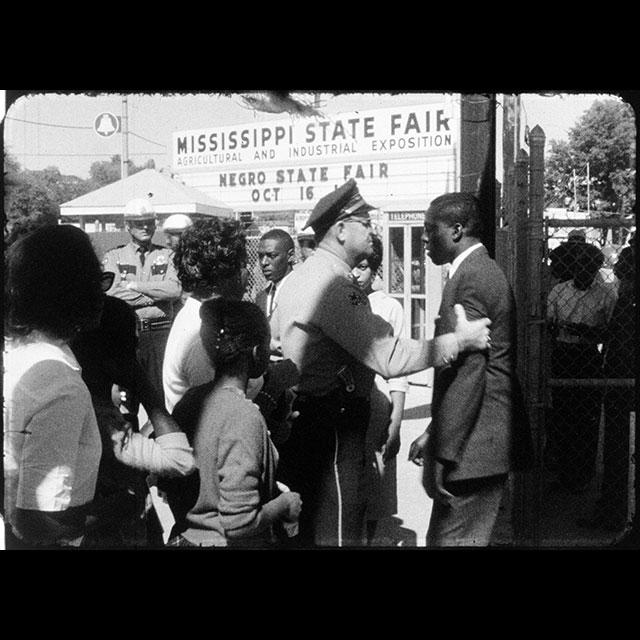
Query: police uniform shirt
pixel 155 277
pixel 323 321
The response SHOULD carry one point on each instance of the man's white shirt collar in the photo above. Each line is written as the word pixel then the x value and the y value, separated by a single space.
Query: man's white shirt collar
pixel 277 286
pixel 458 261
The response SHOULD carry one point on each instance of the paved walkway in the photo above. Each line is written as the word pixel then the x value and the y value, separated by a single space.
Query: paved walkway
pixel 409 527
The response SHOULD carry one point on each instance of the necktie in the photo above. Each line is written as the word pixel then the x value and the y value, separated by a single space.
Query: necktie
pixel 272 295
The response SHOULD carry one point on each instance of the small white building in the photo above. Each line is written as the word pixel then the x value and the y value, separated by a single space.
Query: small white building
pixel 103 209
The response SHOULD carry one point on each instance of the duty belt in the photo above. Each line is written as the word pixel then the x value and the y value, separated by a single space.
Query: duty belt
pixel 145 324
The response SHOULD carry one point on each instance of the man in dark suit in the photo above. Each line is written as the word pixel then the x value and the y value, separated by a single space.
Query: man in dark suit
pixel 479 431
pixel 275 255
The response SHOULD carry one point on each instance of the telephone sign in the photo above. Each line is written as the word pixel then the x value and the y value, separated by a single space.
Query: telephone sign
pixel 106 124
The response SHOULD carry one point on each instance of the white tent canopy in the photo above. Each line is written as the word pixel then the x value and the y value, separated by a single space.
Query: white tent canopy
pixel 166 194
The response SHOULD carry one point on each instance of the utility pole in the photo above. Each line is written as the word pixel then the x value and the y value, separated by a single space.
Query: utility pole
pixel 575 193
pixel 588 191
pixel 124 160
pixel 477 157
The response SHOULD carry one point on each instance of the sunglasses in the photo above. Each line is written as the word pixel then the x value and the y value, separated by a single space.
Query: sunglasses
pixel 106 280
pixel 142 224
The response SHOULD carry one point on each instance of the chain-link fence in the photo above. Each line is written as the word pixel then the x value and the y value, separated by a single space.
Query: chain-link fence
pixel 588 456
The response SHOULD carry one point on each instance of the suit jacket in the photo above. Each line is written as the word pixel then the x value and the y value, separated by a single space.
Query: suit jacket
pixel 479 421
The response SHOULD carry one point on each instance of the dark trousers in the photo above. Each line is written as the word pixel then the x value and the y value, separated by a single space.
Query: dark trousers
pixel 324 460
pixel 470 517
pixel 151 346
pixel 572 429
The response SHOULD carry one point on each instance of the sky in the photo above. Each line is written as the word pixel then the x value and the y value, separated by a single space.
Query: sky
pixel 51 129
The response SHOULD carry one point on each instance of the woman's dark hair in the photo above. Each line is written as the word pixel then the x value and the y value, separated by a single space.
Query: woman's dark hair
pixel 107 353
pixel 210 256
pixel 375 259
pixel 52 283
pixel 230 329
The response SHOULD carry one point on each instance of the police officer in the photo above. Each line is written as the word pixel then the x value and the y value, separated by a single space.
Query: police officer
pixel 147 280
pixel 173 227
pixel 307 244
pixel 324 324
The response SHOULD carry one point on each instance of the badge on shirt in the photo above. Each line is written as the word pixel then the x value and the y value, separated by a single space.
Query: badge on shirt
pixel 159 266
pixel 127 268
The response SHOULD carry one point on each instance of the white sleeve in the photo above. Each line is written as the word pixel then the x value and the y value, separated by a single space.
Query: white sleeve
pixel 396 320
pixel 168 455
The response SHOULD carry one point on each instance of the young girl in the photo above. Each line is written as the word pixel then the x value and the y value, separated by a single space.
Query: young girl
pixel 387 406
pixel 238 502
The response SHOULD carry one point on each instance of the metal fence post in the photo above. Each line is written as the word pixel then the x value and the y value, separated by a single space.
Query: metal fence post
pixel 524 517
pixel 521 201
pixel 535 313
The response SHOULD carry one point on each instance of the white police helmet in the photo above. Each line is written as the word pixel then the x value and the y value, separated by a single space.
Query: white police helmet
pixel 176 223
pixel 139 209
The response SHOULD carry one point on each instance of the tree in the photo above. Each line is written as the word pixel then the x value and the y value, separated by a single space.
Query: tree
pixel 28 201
pixel 108 171
pixel 33 198
pixel 604 137
pixel 105 172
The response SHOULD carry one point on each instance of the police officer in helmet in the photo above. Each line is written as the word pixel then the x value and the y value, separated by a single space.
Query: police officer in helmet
pixel 173 228
pixel 147 280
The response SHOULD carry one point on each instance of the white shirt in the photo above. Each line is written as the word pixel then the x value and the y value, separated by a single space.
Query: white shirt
pixel 389 309
pixel 567 304
pixel 272 295
pixel 459 259
pixel 186 363
pixel 168 455
pixel 52 445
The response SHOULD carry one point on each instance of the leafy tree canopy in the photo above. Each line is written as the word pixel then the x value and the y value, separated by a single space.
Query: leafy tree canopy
pixel 108 171
pixel 33 198
pixel 604 137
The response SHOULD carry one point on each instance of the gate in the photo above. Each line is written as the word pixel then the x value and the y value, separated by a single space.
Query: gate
pixel 576 340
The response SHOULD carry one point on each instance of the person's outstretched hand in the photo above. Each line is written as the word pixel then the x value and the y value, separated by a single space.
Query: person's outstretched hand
pixel 472 335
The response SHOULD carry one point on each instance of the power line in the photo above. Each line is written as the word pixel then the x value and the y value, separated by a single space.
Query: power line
pixel 69 126
pixel 85 155
pixel 47 124
pixel 147 139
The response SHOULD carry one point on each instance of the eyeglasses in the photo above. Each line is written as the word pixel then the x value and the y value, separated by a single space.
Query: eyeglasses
pixel 365 223
pixel 106 280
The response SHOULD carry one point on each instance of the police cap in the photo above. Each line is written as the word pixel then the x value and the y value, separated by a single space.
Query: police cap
pixel 176 223
pixel 139 209
pixel 344 202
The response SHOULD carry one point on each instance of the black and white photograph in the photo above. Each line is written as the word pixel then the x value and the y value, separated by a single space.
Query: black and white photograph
pixel 319 320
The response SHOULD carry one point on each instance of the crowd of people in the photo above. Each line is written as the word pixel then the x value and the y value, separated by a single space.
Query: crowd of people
pixel 592 348
pixel 272 423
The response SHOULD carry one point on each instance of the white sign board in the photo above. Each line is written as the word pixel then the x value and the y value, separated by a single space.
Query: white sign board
pixel 403 153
